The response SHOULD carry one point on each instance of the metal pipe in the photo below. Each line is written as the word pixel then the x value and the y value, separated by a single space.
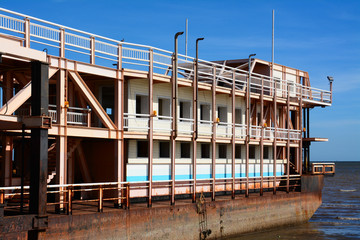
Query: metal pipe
pixel 175 75
pixel 197 85
pixel 22 168
pixel 248 107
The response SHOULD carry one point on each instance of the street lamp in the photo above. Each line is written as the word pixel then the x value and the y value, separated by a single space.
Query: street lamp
pixel 331 80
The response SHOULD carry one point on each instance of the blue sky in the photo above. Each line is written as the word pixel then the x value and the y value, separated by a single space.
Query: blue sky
pixel 321 37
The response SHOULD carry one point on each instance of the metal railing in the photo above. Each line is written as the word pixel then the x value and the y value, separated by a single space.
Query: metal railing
pixel 75 115
pixel 82 46
pixel 185 126
pixel 136 122
pixel 65 196
pixel 323 168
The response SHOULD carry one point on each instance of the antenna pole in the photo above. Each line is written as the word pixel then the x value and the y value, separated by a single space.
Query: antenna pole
pixel 186 37
pixel 272 50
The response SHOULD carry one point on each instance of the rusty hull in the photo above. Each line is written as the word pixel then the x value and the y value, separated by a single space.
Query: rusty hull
pixel 225 217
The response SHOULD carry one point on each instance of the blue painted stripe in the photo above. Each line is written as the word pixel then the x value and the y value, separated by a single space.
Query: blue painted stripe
pixel 136 178
pixel 223 175
pixel 183 177
pixel 203 176
pixel 198 176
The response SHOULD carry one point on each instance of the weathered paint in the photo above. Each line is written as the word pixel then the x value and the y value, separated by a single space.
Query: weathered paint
pixel 225 217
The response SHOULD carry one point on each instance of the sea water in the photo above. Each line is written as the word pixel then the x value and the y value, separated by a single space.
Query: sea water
pixel 337 218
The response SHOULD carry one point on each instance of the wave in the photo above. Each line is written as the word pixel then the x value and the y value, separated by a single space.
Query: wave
pixel 348 218
pixel 347 190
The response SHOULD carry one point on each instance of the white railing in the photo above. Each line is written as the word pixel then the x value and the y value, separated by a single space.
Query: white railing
pixel 86 47
pixel 205 127
pixel 136 122
pixel 255 131
pixel 240 130
pixel 162 124
pixel 224 129
pixel 269 133
pixel 185 126
pixel 75 115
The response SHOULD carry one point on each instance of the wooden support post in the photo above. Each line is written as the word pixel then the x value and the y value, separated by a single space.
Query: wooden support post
pixel 151 124
pixel 119 64
pixel 233 136
pixel 213 136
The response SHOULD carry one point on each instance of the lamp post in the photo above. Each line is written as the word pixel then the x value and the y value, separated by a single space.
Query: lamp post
pixel 331 80
pixel 197 86
pixel 248 94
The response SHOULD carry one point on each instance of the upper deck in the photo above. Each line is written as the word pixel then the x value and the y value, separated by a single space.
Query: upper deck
pixel 108 57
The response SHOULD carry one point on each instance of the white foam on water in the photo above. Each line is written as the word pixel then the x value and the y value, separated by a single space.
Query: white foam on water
pixel 347 190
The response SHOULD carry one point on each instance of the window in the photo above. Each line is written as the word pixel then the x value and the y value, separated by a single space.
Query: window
pixel 205 112
pixel 238 117
pixel 222 114
pixel 237 151
pixel 142 104
pixel 205 150
pixel 164 107
pixel 266 152
pixel 222 150
pixel 164 149
pixel 185 109
pixel 252 152
pixel 142 148
pixel 185 149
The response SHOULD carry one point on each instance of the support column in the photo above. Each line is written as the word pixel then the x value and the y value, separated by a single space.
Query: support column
pixel 233 136
pixel 288 139
pixel 119 141
pixel 39 146
pixel 247 142
pixel 275 136
pixel 262 137
pixel 213 138
pixel 151 124
pixel 195 128
pixel 61 139
pixel 6 166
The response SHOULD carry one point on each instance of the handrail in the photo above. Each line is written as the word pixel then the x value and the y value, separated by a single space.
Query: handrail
pixel 107 49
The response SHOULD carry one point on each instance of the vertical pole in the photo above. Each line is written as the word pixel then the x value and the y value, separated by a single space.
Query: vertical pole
pixel 288 138
pixel 194 140
pixel 213 138
pixel 92 50
pixel 61 139
pixel 119 65
pixel 27 33
pixel 174 96
pixel 301 135
pixel 151 124
pixel 275 136
pixel 233 136
pixel 22 168
pixel 62 43
pixel 119 157
pixel 186 37
pixel 273 43
pixel 308 135
pixel 262 137
pixel 39 141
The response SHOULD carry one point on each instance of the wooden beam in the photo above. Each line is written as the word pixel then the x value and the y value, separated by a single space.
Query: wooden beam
pixel 91 99
pixel 16 101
